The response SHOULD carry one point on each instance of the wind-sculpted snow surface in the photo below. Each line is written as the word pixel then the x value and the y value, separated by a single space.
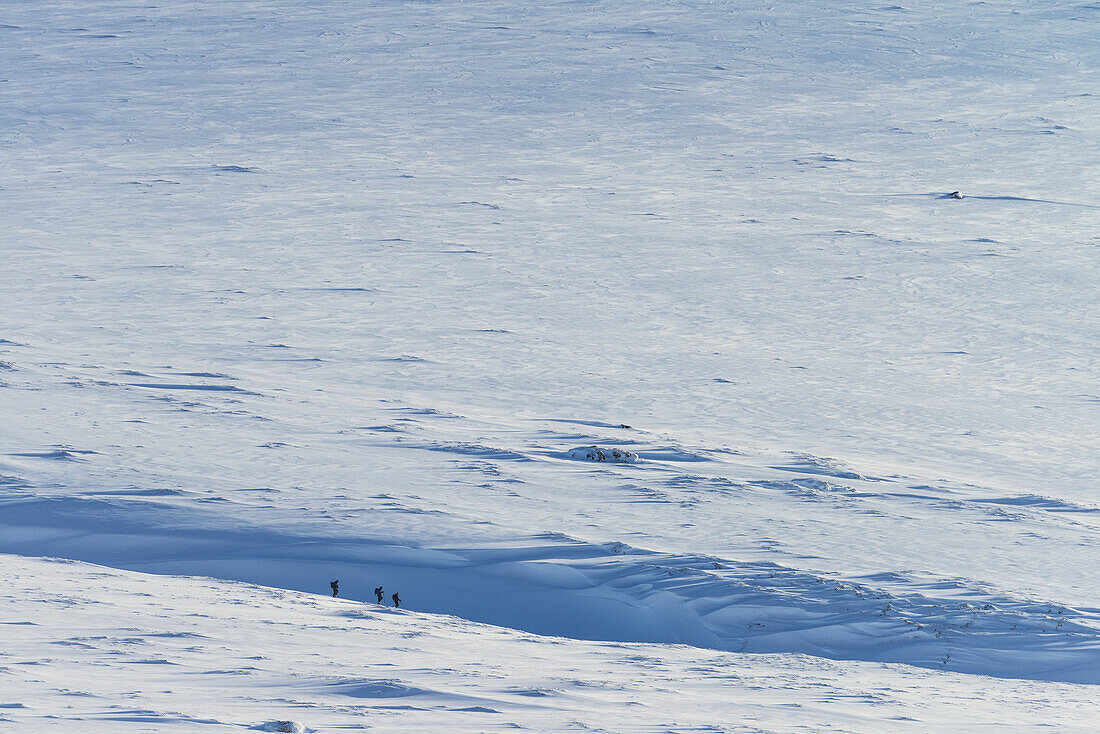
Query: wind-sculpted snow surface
pixel 294 292
pixel 555 585
pixel 104 651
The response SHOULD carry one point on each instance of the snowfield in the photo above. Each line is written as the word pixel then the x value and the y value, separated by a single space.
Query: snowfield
pixel 640 346
pixel 94 649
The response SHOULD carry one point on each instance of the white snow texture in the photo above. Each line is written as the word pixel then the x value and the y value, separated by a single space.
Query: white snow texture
pixel 682 365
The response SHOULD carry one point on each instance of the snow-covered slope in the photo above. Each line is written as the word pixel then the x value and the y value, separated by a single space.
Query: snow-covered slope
pixel 94 649
pixel 294 292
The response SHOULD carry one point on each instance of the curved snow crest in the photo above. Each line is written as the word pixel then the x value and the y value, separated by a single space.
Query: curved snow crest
pixel 322 670
pixel 597 454
pixel 552 584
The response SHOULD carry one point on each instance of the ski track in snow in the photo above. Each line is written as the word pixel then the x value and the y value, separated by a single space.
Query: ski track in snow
pixel 294 292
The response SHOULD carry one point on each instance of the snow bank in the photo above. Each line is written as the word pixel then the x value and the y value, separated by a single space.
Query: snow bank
pixel 556 585
pixel 235 653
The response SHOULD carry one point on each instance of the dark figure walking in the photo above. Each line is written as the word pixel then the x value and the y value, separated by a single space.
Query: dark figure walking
pixel 396 599
pixel 378 593
pixel 335 587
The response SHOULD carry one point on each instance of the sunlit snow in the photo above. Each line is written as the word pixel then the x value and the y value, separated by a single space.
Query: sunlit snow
pixel 685 366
